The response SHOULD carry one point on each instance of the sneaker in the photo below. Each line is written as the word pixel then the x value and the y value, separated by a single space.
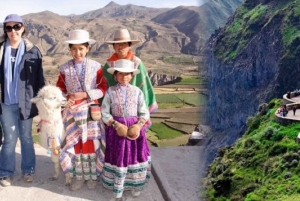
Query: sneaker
pixel 135 193
pixel 5 181
pixel 77 185
pixel 28 178
pixel 91 184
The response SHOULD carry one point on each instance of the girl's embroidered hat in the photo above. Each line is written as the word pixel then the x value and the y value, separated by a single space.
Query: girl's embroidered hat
pixel 122 36
pixel 124 66
pixel 79 36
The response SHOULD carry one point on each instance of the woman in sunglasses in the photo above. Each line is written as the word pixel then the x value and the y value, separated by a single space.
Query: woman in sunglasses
pixel 21 77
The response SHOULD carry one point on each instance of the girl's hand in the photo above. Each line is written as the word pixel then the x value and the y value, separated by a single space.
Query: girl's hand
pixel 75 96
pixel 134 131
pixel 121 129
pixel 70 103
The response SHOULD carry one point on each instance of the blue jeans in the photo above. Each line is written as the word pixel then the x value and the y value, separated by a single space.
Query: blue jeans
pixel 14 128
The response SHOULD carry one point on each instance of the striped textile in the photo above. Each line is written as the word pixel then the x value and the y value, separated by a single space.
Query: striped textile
pixel 78 127
pixel 132 177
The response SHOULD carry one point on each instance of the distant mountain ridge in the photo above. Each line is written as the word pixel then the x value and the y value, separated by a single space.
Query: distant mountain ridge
pixel 115 10
pixel 161 30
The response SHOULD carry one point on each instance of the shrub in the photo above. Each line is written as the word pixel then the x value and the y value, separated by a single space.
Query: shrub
pixel 219 169
pixel 254 124
pixel 268 133
pixel 222 186
pixel 249 188
pixel 271 104
pixel 277 149
pixel 263 109
pixel 249 121
pixel 277 136
pixel 222 151
pixel 249 142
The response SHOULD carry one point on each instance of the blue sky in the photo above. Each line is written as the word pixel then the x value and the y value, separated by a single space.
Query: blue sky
pixel 66 7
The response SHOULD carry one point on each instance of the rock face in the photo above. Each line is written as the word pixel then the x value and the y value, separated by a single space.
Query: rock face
pixel 263 70
pixel 162 79
pixel 237 87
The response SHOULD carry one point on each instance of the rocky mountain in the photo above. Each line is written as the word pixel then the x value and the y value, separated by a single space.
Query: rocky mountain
pixel 114 10
pixel 161 30
pixel 252 59
pixel 198 23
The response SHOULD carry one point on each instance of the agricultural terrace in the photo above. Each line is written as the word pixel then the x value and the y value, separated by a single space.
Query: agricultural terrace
pixel 180 111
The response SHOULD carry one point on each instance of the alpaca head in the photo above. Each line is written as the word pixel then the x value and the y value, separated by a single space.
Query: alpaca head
pixel 49 98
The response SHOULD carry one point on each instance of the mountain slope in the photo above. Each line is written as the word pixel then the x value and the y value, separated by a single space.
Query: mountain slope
pixel 115 10
pixel 199 23
pixel 161 30
pixel 262 165
pixel 251 60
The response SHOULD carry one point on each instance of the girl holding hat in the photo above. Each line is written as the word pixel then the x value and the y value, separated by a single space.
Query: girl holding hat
pixel 121 44
pixel 21 77
pixel 124 111
pixel 81 80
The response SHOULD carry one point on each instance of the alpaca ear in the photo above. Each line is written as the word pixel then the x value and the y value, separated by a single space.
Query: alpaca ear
pixel 35 100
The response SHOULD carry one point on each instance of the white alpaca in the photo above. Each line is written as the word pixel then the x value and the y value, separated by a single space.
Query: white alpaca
pixel 49 102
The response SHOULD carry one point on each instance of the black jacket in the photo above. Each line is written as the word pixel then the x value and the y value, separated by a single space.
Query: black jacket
pixel 31 78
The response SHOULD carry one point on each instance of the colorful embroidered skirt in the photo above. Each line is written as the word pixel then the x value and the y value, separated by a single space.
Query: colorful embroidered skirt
pixel 79 129
pixel 127 162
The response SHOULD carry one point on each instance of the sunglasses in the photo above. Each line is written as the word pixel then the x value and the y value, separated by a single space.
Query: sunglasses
pixel 16 27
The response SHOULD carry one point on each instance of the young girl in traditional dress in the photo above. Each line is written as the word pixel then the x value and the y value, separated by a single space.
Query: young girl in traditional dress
pixel 81 79
pixel 124 111
pixel 122 45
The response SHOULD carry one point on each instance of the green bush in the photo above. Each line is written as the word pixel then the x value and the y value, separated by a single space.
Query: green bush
pixel 254 124
pixel 249 121
pixel 277 149
pixel 271 104
pixel 249 143
pixel 269 133
pixel 263 108
pixel 278 136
